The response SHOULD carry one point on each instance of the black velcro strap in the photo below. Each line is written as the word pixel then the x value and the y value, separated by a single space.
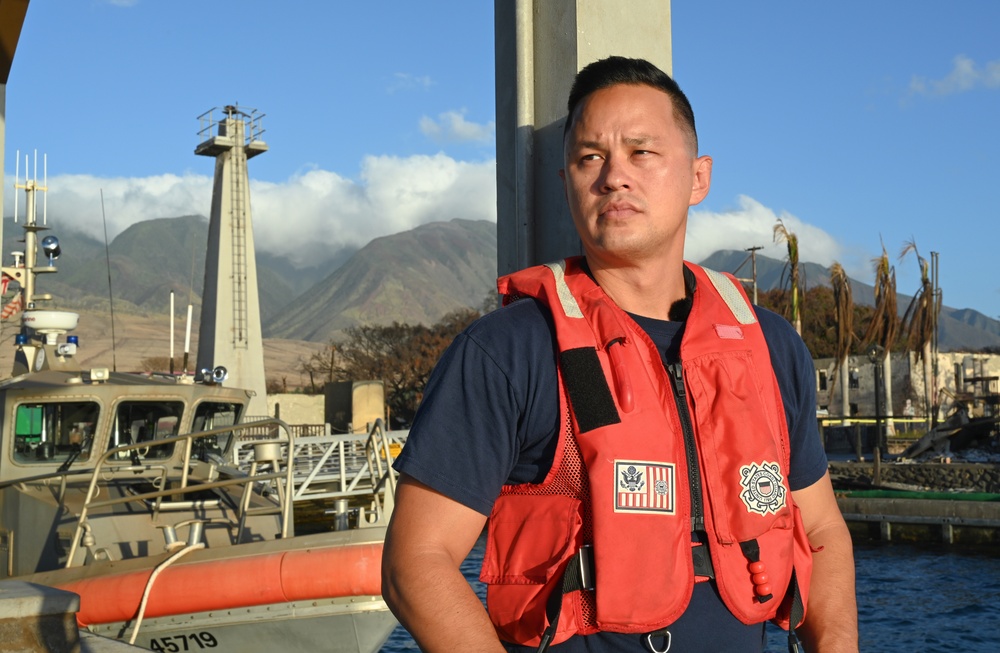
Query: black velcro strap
pixel 589 394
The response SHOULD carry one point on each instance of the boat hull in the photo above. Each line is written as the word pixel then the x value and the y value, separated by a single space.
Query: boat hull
pixel 309 593
pixel 350 625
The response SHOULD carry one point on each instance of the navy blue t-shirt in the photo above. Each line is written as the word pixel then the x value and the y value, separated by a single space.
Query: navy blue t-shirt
pixel 490 416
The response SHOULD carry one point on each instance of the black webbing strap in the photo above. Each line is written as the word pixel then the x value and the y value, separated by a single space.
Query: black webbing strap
pixel 579 575
pixel 589 394
pixel 701 556
pixel 796 611
pixel 797 608
pixel 751 550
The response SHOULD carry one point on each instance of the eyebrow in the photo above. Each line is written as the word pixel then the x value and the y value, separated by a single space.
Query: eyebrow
pixel 641 139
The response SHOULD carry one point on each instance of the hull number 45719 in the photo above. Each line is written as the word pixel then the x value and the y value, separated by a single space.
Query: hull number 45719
pixel 178 643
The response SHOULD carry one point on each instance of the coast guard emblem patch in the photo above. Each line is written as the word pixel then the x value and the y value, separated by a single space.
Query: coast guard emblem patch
pixel 762 488
pixel 642 486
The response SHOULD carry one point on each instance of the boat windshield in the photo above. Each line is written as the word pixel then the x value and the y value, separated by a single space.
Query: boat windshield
pixel 138 422
pixel 212 415
pixel 52 432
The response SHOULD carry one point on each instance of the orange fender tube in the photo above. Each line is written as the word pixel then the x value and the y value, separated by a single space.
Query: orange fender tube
pixel 311 574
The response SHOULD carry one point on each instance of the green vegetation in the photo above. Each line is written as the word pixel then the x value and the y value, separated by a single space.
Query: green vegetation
pixel 400 355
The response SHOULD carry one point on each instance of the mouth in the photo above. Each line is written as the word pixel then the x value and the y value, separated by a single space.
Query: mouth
pixel 618 210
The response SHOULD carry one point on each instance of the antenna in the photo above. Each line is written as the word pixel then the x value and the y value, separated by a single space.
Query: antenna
pixel 45 183
pixel 187 341
pixel 171 333
pixel 34 212
pixel 111 297
pixel 17 180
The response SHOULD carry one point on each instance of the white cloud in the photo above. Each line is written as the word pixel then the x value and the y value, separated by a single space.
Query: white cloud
pixel 74 201
pixel 305 218
pixel 752 225
pixel 452 127
pixel 406 82
pixel 964 76
pixel 317 212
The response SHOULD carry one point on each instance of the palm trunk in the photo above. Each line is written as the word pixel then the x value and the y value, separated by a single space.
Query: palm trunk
pixel 796 309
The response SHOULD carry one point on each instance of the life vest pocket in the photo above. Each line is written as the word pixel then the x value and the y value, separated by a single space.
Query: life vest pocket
pixel 740 443
pixel 802 562
pixel 530 540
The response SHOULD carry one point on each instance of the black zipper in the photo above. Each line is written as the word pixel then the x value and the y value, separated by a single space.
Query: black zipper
pixel 690 449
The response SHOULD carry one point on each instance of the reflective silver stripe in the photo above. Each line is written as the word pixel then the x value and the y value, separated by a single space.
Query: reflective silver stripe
pixel 566 298
pixel 732 296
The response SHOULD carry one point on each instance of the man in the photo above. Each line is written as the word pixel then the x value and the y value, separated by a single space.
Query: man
pixel 626 427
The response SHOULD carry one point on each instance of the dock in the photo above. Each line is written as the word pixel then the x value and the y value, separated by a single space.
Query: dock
pixel 951 503
pixel 899 515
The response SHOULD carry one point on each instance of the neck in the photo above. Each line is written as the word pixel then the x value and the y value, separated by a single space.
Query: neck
pixel 647 290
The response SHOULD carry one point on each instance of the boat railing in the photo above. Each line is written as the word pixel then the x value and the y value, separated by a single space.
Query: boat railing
pixel 339 466
pixel 196 475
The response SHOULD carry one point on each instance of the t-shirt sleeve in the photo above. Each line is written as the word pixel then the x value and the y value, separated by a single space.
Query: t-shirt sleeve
pixel 488 409
pixel 793 367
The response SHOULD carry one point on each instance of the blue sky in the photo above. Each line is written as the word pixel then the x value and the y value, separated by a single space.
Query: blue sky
pixel 856 122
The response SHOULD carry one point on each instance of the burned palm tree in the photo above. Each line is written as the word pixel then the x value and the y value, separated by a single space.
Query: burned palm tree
pixel 783 235
pixel 884 326
pixel 843 307
pixel 918 322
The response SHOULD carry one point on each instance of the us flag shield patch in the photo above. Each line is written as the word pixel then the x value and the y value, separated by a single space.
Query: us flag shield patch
pixel 643 486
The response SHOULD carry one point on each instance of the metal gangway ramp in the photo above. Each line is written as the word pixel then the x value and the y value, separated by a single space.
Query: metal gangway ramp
pixel 327 465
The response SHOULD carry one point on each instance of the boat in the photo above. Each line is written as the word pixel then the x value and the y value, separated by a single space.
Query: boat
pixel 124 488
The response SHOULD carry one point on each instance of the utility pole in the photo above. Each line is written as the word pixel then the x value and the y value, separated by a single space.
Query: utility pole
pixel 753 265
pixel 934 340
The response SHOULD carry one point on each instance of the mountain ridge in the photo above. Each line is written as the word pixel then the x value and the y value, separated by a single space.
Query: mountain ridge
pixel 415 276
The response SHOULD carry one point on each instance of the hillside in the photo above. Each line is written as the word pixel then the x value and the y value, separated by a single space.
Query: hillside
pixel 960 329
pixel 153 257
pixel 416 276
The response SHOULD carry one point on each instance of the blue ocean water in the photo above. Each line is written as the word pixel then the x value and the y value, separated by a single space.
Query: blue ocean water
pixel 910 598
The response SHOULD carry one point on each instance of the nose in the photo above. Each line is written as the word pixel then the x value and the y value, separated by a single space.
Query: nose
pixel 615 175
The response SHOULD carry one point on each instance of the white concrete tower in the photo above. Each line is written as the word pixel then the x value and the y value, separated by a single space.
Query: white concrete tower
pixel 229 332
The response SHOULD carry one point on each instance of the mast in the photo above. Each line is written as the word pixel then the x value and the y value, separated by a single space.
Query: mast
pixel 38 346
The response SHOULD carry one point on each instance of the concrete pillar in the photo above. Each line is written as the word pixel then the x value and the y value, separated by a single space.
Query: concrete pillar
pixel 3 145
pixel 11 20
pixel 540 46
pixel 38 618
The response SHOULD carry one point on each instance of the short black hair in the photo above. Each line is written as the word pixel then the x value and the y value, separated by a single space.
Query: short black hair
pixel 636 72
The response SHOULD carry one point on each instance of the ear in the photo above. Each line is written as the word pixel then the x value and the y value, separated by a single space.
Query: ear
pixel 562 176
pixel 701 179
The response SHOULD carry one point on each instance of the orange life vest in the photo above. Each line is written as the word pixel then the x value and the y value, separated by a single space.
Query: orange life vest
pixel 624 485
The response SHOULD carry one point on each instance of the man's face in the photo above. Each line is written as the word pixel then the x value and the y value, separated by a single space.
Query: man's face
pixel 631 173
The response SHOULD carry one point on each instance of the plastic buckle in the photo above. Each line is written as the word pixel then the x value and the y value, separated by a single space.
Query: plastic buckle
pixel 585 563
